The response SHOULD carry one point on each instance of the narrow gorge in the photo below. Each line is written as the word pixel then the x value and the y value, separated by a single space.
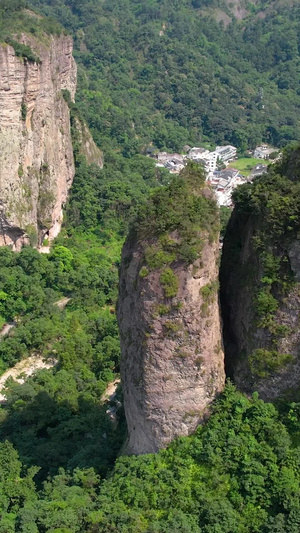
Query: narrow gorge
pixel 172 363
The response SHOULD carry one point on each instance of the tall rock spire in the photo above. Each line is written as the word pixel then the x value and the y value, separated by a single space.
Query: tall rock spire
pixel 172 362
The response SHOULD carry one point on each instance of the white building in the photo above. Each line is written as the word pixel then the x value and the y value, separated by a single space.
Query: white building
pixel 173 162
pixel 224 182
pixel 174 165
pixel 229 174
pixel 263 151
pixel 210 162
pixel 164 157
pixel 197 152
pixel 226 153
pixel 258 170
pixel 204 157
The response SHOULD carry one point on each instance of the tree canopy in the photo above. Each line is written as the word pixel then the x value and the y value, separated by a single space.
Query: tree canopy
pixel 168 73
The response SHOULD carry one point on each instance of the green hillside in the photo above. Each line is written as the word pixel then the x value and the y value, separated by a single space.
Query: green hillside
pixel 167 73
pixel 162 73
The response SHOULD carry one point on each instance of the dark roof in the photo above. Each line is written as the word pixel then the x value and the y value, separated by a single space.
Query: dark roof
pixel 226 174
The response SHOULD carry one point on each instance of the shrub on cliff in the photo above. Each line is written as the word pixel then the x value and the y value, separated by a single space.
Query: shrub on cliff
pixel 176 216
pixel 259 268
pixel 272 202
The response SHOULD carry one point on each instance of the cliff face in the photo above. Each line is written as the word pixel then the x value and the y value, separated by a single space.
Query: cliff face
pixel 260 285
pixel 36 155
pixel 172 361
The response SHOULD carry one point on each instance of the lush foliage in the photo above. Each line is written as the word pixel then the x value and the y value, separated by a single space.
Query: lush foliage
pixel 168 73
pixel 150 73
pixel 177 219
pixel 56 419
pixel 15 19
pixel 238 474
pixel 169 282
pixel 269 209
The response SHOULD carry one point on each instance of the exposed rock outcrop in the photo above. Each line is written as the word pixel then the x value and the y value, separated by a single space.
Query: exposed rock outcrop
pixel 87 145
pixel 260 289
pixel 172 363
pixel 36 155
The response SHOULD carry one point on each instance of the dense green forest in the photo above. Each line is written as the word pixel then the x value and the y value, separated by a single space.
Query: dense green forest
pixel 159 73
pixel 166 73
pixel 238 474
pixel 58 467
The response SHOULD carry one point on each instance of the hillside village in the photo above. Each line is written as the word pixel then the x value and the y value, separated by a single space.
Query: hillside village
pixel 219 166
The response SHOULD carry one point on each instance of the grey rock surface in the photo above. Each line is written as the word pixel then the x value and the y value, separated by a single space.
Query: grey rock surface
pixel 172 363
pixel 241 273
pixel 36 155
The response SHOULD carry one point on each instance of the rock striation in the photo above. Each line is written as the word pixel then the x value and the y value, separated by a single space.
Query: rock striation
pixel 36 155
pixel 260 283
pixel 172 362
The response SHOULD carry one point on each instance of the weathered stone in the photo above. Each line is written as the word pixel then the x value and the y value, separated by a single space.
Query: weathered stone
pixel 36 155
pixel 172 363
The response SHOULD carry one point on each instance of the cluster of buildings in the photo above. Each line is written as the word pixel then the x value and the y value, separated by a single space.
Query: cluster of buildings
pixel 225 181
pixel 222 181
pixel 175 162
pixel 210 160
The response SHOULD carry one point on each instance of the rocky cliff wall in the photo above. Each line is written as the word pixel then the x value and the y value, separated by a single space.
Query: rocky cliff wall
pixel 172 363
pixel 260 289
pixel 36 155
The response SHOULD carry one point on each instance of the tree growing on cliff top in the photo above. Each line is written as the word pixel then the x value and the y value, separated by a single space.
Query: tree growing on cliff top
pixel 182 206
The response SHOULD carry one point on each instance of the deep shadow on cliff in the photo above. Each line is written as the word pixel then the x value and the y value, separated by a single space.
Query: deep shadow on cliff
pixel 259 281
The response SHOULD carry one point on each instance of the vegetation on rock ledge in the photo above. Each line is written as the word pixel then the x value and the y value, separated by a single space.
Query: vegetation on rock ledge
pixel 267 211
pixel 177 219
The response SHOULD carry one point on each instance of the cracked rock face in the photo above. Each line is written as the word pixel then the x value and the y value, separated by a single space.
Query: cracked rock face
pixel 36 155
pixel 172 363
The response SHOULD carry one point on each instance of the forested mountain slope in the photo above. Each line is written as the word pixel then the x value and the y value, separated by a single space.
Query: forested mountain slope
pixel 238 474
pixel 169 73
pixel 163 73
